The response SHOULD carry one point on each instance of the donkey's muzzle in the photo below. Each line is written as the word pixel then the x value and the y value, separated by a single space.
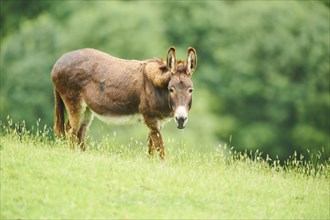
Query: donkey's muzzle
pixel 181 117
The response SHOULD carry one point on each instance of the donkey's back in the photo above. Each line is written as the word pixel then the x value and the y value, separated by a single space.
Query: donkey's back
pixel 89 64
pixel 104 83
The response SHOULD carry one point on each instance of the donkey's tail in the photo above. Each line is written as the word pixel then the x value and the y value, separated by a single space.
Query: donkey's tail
pixel 59 115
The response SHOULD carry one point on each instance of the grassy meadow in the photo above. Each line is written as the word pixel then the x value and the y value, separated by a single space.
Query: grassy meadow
pixel 43 179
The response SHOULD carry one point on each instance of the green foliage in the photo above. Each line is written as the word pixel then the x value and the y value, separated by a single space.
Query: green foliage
pixel 14 12
pixel 41 178
pixel 262 79
pixel 268 66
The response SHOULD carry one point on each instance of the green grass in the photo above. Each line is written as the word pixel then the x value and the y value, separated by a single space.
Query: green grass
pixel 43 179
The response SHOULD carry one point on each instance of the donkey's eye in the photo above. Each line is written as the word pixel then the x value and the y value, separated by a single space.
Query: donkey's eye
pixel 190 90
pixel 171 90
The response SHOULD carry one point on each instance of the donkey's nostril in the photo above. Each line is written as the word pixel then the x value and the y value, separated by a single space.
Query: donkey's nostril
pixel 181 119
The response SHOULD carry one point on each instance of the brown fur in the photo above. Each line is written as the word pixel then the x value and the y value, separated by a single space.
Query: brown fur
pixel 88 81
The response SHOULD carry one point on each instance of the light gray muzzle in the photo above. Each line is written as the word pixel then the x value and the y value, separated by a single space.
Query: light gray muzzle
pixel 181 117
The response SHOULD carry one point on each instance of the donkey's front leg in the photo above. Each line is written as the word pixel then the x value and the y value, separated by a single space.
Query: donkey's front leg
pixel 150 145
pixel 155 140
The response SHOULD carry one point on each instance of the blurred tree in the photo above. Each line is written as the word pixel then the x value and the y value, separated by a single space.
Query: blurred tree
pixel 14 12
pixel 26 61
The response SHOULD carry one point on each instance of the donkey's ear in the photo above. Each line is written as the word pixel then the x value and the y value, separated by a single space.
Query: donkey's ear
pixel 171 60
pixel 191 61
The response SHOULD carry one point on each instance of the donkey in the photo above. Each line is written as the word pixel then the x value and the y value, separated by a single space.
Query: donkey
pixel 88 83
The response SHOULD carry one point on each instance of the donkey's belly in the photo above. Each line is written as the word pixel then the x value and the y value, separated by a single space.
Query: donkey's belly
pixel 125 119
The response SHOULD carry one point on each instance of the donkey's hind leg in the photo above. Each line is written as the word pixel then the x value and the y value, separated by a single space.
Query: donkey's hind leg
pixel 67 127
pixel 85 123
pixel 75 113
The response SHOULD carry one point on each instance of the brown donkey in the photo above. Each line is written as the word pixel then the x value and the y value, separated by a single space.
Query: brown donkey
pixel 89 82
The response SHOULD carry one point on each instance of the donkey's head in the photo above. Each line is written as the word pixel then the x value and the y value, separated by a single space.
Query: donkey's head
pixel 180 86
